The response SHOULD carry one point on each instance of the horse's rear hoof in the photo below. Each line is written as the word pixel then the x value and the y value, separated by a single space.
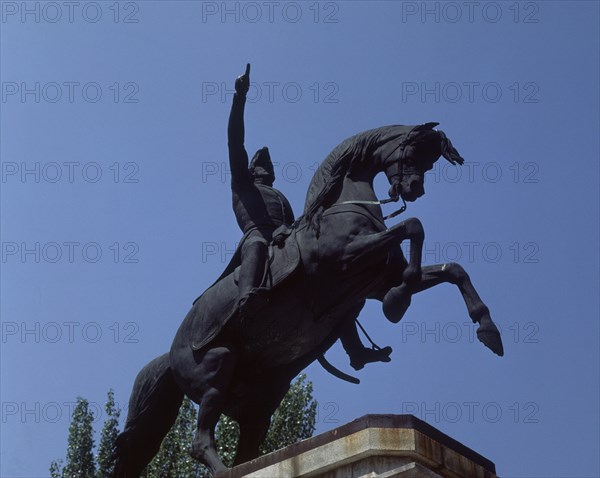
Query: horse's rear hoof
pixel 207 457
pixel 490 336
pixel 395 303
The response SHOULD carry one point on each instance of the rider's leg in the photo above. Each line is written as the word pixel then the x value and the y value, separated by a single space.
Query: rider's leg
pixel 358 353
pixel 254 259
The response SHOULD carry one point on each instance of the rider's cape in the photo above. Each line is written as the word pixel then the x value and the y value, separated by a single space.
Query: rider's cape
pixel 218 304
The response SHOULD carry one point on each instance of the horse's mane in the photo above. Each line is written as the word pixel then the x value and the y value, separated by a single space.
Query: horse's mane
pixel 350 153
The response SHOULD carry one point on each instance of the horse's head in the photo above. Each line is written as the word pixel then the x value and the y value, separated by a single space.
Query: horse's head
pixel 405 168
pixel 405 153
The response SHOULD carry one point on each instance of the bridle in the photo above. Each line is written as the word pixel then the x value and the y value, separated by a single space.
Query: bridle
pixel 382 201
pixel 392 199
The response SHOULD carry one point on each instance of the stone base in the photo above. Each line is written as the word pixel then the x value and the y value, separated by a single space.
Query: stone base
pixel 383 446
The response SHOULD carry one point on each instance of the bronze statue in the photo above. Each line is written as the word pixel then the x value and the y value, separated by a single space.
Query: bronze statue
pixel 259 210
pixel 318 274
pixel 259 207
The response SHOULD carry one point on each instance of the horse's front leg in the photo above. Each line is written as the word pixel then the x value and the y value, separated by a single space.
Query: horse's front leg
pixel 453 273
pixel 363 250
pixel 397 300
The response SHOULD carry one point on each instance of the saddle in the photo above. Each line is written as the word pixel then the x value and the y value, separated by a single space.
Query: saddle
pixel 284 256
pixel 218 304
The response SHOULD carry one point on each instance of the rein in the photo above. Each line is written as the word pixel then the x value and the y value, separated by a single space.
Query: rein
pixel 382 201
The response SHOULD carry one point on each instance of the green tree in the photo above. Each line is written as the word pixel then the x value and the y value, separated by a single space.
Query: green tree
pixel 56 469
pixel 80 457
pixel 173 460
pixel 293 421
pixel 227 435
pixel 110 430
pixel 295 418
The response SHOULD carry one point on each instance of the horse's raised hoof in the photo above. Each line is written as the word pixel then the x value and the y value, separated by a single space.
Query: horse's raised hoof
pixel 489 334
pixel 395 303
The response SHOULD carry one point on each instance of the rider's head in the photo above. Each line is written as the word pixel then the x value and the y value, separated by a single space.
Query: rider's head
pixel 261 167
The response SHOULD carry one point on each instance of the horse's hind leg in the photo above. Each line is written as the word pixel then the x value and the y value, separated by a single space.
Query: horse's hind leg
pixel 453 273
pixel 255 418
pixel 206 383
pixel 253 431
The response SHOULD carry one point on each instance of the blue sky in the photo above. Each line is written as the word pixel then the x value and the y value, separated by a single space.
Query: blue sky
pixel 115 209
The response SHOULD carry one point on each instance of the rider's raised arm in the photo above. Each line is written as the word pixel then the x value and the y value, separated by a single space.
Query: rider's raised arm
pixel 238 157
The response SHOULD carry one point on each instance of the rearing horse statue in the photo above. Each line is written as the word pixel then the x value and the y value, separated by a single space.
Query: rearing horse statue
pixel 321 271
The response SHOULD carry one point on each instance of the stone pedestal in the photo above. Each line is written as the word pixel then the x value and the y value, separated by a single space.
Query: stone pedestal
pixel 382 446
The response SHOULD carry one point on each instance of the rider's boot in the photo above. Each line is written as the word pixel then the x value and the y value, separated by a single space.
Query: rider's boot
pixel 358 353
pixel 365 356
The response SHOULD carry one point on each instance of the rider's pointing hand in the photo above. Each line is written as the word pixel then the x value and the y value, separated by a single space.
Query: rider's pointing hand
pixel 242 84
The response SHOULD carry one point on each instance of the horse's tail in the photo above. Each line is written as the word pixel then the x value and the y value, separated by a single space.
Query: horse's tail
pixel 153 408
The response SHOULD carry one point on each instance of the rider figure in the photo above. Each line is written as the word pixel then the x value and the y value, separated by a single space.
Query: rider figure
pixel 259 210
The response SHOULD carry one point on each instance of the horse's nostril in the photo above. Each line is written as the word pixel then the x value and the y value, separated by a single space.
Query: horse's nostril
pixel 416 186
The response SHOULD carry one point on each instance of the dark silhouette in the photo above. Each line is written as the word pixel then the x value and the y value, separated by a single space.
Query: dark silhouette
pixel 319 274
pixel 259 210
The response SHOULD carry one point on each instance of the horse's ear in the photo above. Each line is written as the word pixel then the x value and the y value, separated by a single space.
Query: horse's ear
pixel 448 150
pixel 426 126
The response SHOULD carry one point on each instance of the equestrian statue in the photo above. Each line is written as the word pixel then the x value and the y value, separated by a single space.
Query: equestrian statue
pixel 293 288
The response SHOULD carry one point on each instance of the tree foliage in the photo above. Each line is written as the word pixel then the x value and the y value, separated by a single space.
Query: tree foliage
pixel 293 421
pixel 295 418
pixel 173 459
pixel 80 457
pixel 110 430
